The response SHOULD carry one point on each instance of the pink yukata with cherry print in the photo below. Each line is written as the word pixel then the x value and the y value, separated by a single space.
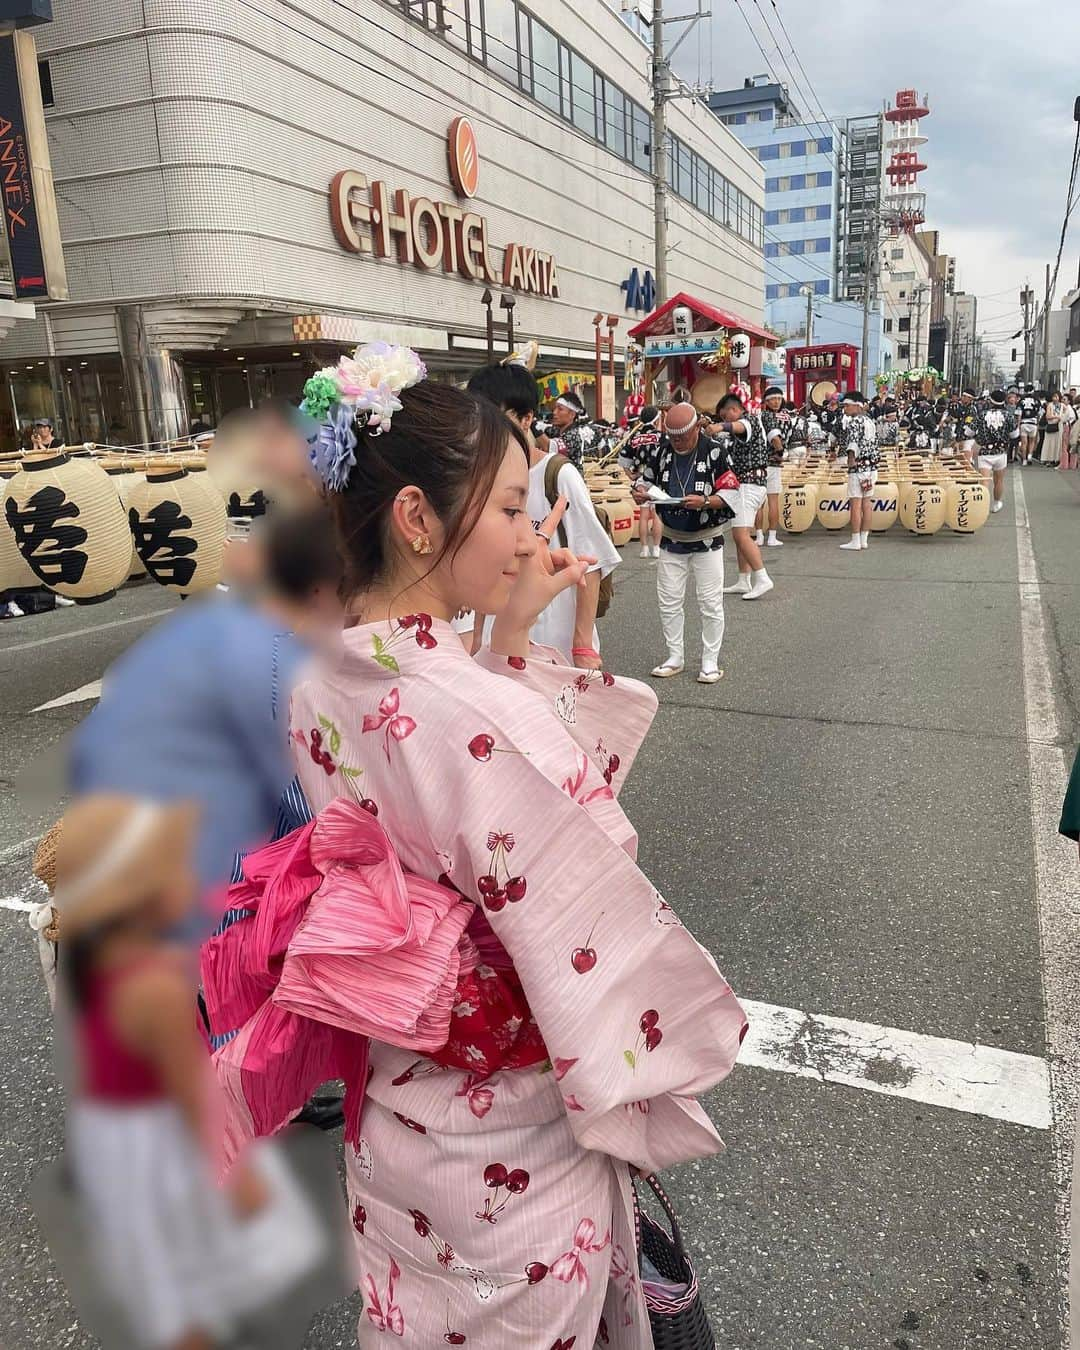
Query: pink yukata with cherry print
pixel 493 1209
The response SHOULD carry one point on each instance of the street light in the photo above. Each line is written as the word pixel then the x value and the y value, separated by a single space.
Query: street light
pixel 486 299
pixel 508 302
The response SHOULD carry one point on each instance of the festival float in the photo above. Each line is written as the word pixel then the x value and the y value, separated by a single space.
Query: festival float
pixel 689 349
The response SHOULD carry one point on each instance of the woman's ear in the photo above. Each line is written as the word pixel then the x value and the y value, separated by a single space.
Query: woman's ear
pixel 412 516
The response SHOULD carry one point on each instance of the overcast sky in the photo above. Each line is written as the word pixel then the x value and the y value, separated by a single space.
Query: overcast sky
pixel 1001 76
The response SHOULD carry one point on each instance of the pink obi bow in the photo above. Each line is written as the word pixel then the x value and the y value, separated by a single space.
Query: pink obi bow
pixel 343 944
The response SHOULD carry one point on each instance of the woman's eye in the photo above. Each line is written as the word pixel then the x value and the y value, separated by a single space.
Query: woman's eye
pixel 513 511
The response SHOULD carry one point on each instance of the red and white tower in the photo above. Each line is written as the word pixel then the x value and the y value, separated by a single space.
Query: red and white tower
pixel 905 205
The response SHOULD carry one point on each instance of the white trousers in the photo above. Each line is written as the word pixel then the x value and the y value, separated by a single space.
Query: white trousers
pixel 671 574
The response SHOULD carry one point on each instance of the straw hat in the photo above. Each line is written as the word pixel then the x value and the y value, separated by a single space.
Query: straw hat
pixel 116 851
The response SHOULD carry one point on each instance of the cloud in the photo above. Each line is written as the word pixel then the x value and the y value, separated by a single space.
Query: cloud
pixel 1001 79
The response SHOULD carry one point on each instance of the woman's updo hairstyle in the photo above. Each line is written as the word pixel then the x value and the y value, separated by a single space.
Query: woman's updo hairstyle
pixel 443 440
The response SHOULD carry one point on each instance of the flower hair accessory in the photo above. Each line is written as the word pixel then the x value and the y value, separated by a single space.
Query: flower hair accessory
pixel 359 394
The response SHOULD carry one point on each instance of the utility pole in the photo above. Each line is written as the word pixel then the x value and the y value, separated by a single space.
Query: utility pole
pixel 869 293
pixel 918 324
pixel 808 291
pixel 661 79
pixel 662 92
pixel 1046 334
pixel 1027 295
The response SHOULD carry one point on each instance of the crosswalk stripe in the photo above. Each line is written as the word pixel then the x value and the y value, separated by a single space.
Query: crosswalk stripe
pixel 81 695
pixel 981 1080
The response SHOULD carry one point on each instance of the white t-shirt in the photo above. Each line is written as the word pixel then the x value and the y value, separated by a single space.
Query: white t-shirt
pixel 584 534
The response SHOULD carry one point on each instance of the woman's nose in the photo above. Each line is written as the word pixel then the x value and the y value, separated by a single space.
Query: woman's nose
pixel 526 536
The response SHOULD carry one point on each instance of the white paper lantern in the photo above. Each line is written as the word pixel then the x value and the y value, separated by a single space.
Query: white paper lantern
pixel 682 319
pixel 739 345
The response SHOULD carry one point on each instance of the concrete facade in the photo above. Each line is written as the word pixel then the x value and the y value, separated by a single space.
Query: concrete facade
pixel 194 143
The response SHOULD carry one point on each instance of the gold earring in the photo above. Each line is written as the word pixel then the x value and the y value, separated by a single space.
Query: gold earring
pixel 422 544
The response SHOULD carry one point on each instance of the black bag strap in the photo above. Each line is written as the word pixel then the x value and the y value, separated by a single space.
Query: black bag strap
pixel 551 489
pixel 669 1209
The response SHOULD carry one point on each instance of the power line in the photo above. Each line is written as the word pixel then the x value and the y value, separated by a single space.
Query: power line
pixel 798 60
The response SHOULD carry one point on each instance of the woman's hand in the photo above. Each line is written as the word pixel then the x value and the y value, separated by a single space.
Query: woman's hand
pixel 544 573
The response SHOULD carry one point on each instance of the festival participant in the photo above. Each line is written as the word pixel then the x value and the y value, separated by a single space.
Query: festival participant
pixel 1029 425
pixel 888 427
pixel 571 433
pixel 640 447
pixel 858 441
pixel 992 427
pixel 1051 450
pixel 965 413
pixel 743 437
pixel 687 465
pixel 831 416
pixel 569 624
pixel 1012 404
pixel 777 425
pixel 516 1071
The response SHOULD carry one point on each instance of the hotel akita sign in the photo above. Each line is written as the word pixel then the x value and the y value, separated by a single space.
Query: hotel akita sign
pixel 370 217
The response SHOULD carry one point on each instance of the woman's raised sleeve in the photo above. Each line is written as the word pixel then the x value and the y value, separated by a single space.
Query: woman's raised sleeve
pixel 635 1016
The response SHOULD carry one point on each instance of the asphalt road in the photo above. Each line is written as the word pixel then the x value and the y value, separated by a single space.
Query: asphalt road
pixel 846 822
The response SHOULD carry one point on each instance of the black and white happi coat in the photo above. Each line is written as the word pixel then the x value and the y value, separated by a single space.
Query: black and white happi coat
pixel 673 473
pixel 858 440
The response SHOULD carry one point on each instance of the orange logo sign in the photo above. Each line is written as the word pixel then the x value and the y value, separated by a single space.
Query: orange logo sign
pixel 464 157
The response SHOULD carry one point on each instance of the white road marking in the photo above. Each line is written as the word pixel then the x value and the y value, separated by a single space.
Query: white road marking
pixel 13 850
pixel 81 695
pixel 18 903
pixel 1057 877
pixel 979 1079
pixel 85 632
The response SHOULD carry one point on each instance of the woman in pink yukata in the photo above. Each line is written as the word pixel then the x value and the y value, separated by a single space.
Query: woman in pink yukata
pixel 490 1183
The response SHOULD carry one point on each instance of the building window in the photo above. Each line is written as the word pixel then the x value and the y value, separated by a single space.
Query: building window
pixel 903 295
pixel 765 115
pixel 904 325
pixel 819 180
pixel 888 325
pixel 773 218
pixel 784 150
pixel 772 292
pixel 501 43
pixel 544 67
pixel 583 95
pixel 903 353
pixel 45 80
pixel 798 181
pixel 896 253
pixel 641 131
pixel 614 115
pixel 520 49
pixel 818 245
pixel 821 288
pixel 819 213
pixel 768 152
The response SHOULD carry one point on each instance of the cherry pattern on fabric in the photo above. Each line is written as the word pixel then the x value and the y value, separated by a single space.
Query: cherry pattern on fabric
pixel 323 744
pixel 482 747
pixel 584 959
pixel 444 1253
pixel 649 1037
pixel 419 625
pixel 497 1178
pixel 497 886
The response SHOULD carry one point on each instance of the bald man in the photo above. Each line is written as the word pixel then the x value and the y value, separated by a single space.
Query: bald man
pixel 685 466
